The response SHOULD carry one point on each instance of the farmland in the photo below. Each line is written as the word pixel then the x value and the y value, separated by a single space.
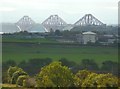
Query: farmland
pixel 25 49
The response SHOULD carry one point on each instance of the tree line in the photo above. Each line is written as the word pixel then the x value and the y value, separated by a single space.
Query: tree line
pixel 57 75
pixel 33 66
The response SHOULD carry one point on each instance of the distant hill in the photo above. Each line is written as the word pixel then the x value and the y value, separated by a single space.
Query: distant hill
pixel 106 29
pixel 11 28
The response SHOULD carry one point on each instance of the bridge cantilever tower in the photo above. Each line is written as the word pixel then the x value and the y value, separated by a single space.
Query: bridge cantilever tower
pixel 88 19
pixel 54 22
pixel 25 23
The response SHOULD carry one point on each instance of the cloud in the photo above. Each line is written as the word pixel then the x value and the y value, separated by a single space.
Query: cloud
pixel 7 9
pixel 68 9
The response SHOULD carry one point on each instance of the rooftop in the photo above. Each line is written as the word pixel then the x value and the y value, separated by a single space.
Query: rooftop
pixel 90 33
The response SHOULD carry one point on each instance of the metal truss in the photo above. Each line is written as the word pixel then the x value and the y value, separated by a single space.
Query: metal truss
pixel 25 23
pixel 54 22
pixel 88 19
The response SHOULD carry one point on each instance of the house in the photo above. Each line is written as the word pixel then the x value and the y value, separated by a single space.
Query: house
pixel 89 37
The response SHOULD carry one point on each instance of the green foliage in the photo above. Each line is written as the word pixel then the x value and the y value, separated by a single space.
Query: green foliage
pixel 89 64
pixel 100 80
pixel 20 80
pixel 109 66
pixel 80 77
pixel 46 82
pixel 11 71
pixel 65 62
pixel 7 64
pixel 24 83
pixel 16 75
pixel 55 75
pixel 13 74
pixel 36 62
pixel 83 74
pixel 88 81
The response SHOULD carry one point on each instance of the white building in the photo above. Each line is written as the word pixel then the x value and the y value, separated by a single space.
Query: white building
pixel 89 37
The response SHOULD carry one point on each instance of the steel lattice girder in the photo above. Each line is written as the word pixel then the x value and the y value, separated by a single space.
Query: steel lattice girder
pixel 89 19
pixel 25 23
pixel 54 22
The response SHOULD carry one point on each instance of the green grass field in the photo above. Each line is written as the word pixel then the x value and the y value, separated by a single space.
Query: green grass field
pixel 29 40
pixel 25 50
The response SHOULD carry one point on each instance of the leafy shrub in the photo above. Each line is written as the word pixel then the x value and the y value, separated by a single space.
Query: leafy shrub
pixel 11 71
pixel 100 80
pixel 80 77
pixel 21 79
pixel 16 75
pixel 55 75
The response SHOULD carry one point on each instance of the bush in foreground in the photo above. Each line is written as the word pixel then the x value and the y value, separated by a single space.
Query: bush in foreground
pixel 16 76
pixel 21 79
pixel 80 77
pixel 100 80
pixel 11 71
pixel 55 75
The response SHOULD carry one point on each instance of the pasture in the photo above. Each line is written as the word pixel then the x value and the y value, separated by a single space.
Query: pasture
pixel 27 49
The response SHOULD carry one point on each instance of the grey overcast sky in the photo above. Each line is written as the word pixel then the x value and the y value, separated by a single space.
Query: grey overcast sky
pixel 68 10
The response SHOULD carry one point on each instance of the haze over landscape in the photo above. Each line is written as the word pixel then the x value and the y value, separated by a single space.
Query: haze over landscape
pixel 59 43
pixel 69 10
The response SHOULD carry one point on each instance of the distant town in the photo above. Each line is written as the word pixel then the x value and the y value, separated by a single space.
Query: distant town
pixel 87 30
